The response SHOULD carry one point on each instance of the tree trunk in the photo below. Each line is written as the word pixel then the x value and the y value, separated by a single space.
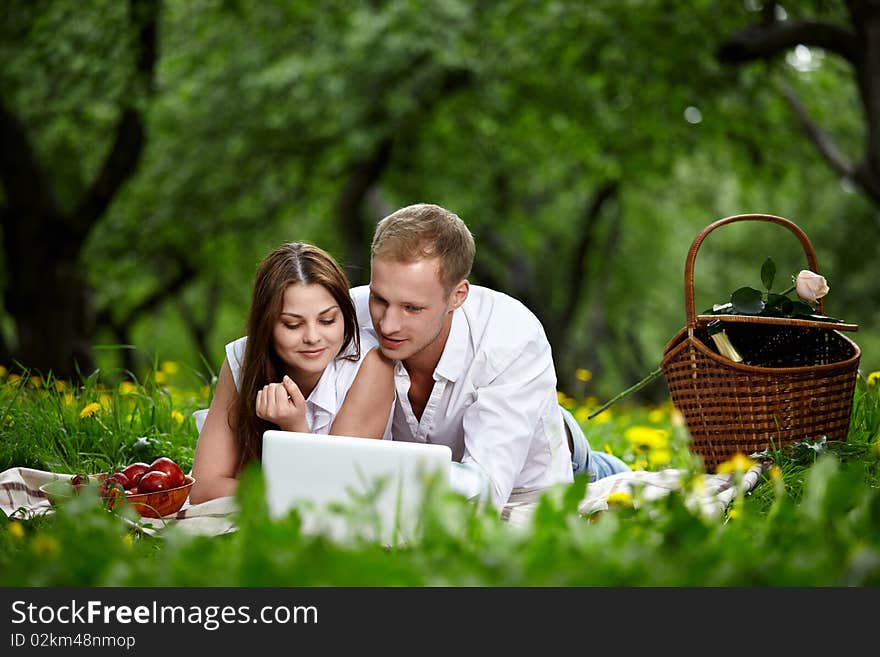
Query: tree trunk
pixel 47 295
pixel 45 288
pixel 598 329
pixel 350 210
pixel 859 45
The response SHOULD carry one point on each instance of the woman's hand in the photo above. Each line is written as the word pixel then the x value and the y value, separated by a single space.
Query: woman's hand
pixel 283 404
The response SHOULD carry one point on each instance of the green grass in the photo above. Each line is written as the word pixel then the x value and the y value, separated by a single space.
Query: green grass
pixel 814 522
pixel 54 425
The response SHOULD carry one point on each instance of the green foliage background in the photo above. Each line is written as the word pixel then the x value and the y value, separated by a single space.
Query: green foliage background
pixel 512 114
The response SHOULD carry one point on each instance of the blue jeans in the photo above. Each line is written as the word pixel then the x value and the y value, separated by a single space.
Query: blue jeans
pixel 596 464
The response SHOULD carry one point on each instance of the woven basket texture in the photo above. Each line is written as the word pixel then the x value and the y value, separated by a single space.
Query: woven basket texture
pixel 799 387
pixel 795 383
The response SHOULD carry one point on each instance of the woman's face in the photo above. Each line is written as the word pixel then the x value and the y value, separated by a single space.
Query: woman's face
pixel 308 333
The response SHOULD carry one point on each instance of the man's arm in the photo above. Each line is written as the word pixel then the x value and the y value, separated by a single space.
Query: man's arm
pixel 470 480
pixel 500 425
pixel 369 401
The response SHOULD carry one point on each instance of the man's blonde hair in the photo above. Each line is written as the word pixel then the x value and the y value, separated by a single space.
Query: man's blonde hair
pixel 427 231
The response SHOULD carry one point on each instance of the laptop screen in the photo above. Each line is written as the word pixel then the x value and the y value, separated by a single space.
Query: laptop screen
pixel 351 487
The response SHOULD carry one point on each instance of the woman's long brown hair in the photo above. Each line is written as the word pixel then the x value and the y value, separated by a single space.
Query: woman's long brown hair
pixel 295 263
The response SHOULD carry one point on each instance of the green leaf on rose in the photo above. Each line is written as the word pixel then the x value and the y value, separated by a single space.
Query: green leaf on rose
pixel 747 301
pixel 768 273
pixel 801 308
pixel 778 303
pixel 752 302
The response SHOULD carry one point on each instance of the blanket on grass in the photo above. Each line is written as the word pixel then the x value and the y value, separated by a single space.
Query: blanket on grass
pixel 21 497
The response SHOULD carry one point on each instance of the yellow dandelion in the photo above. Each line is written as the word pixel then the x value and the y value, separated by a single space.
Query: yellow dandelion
pixel 873 377
pixel 591 402
pixel 128 540
pixel 35 381
pixel 657 457
pixel 640 464
pixel 698 483
pixel 565 400
pixel 68 399
pixel 581 413
pixel 620 498
pixel 16 529
pixel 161 377
pixel 733 513
pixel 90 410
pixel 106 401
pixel 169 367
pixel 60 386
pixel 127 388
pixel 3 371
pixel 14 378
pixel 656 415
pixel 775 473
pixel 738 463
pixel 44 544
pixel 607 449
pixel 604 417
pixel 583 375
pixel 177 416
pixel 647 437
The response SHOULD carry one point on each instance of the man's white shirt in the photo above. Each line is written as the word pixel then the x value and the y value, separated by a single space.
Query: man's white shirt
pixel 494 400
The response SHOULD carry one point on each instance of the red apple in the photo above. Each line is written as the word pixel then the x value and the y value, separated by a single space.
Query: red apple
pixel 170 468
pixel 154 480
pixel 134 472
pixel 113 494
pixel 120 478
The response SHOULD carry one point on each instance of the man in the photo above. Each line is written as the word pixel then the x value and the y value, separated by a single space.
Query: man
pixel 474 369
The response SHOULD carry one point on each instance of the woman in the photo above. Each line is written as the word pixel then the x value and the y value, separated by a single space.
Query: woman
pixel 302 367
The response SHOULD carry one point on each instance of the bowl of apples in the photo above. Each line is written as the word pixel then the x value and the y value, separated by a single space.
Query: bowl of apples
pixel 154 489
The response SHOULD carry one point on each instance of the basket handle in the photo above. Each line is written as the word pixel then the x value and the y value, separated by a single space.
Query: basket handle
pixel 698 240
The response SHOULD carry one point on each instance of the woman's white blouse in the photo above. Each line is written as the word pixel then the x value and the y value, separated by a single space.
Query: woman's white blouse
pixel 324 402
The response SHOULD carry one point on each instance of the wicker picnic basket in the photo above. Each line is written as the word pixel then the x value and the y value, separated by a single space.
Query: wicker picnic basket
pixel 798 383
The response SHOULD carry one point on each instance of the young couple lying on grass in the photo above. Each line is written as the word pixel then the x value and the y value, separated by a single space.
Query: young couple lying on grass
pixel 417 355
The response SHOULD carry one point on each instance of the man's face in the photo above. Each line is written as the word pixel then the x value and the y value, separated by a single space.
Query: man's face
pixel 409 307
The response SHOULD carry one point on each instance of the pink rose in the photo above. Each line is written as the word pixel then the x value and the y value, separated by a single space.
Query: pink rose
pixel 810 286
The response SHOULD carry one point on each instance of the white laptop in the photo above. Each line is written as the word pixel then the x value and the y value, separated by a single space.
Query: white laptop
pixel 352 487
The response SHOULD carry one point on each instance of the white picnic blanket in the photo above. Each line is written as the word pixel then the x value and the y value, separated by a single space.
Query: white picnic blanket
pixel 20 497
pixel 708 494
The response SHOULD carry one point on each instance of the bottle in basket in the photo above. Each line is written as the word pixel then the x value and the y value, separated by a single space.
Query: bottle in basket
pixel 722 341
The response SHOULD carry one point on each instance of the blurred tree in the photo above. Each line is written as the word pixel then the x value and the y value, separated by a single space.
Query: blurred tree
pixel 268 126
pixel 47 222
pixel 585 144
pixel 850 30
